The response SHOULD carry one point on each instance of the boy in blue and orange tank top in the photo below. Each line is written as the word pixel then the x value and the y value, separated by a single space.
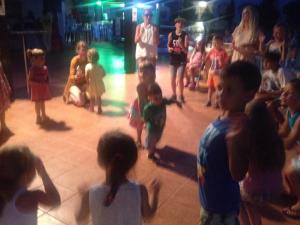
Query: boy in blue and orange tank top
pixel 222 156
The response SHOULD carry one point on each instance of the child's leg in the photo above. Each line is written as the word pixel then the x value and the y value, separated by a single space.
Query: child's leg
pixel 38 112
pixel 293 180
pixel 181 70
pixel 139 131
pixel 99 102
pixel 253 215
pixel 243 217
pixel 92 104
pixel 173 79
pixel 43 110
pixel 2 120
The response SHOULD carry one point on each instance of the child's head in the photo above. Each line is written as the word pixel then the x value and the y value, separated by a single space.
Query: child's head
pixel 239 83
pixel 81 48
pixel 290 97
pixel 17 169
pixel 279 32
pixel 117 154
pixel 200 46
pixel 271 60
pixel 147 71
pixel 217 41
pixel 179 23
pixel 93 56
pixel 36 56
pixel 268 151
pixel 155 94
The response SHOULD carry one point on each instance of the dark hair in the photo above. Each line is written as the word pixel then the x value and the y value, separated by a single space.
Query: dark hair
pixel 117 152
pixel 15 161
pixel 268 149
pixel 272 56
pixel 147 67
pixel 154 89
pixel 218 37
pixel 34 52
pixel 295 83
pixel 180 20
pixel 246 72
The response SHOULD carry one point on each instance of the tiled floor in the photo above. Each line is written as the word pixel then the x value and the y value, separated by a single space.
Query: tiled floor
pixel 67 146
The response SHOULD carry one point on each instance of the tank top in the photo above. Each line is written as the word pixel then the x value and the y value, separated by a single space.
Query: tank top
pixel 124 210
pixel 147 48
pixel 177 57
pixel 292 119
pixel 12 216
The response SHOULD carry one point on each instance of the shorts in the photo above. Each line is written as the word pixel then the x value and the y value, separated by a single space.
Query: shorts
pixel 208 218
pixel 152 139
pixel 178 70
pixel 213 80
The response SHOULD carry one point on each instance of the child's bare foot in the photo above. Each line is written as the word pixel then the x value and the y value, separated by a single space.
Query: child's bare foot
pixel 208 104
pixel 38 120
pixel 45 118
pixel 99 110
pixel 91 109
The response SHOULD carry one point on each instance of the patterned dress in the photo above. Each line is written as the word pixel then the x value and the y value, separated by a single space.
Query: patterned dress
pixel 5 91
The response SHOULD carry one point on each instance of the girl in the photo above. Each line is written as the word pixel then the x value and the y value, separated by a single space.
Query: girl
pixel 194 65
pixel 18 205
pixel 4 98
pixel 137 107
pixel 76 85
pixel 94 74
pixel 39 82
pixel 264 178
pixel 118 200
pixel 289 130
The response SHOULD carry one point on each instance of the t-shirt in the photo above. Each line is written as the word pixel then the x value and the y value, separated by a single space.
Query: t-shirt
pixel 177 56
pixel 218 59
pixel 219 192
pixel 155 116
pixel 273 81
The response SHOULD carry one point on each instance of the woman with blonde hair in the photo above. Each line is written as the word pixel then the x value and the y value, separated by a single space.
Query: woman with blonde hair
pixel 245 36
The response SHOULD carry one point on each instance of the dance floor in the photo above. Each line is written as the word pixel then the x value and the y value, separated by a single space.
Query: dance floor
pixel 67 145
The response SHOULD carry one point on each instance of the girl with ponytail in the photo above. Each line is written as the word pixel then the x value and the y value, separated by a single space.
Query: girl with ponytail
pixel 118 201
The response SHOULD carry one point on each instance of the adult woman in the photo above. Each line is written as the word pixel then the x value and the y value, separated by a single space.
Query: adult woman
pixel 245 36
pixel 76 85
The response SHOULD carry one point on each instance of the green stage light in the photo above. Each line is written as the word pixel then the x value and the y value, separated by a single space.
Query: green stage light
pixel 99 3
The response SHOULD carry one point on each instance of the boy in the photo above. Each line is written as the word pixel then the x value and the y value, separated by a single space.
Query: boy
pixel 273 79
pixel 216 60
pixel 155 116
pixel 222 156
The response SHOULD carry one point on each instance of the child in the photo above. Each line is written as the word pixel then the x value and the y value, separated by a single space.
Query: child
pixel 39 83
pixel 273 78
pixel 289 130
pixel 118 200
pixel 216 60
pixel 155 116
pixel 137 107
pixel 18 205
pixel 4 99
pixel 194 65
pixel 224 148
pixel 94 74
pixel 266 160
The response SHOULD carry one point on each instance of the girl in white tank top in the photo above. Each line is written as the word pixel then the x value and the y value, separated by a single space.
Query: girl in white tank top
pixel 18 206
pixel 117 201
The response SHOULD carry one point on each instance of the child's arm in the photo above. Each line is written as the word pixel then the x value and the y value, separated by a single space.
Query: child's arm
pixel 84 210
pixel 51 196
pixel 149 207
pixel 138 34
pixel 170 49
pixel 290 140
pixel 238 147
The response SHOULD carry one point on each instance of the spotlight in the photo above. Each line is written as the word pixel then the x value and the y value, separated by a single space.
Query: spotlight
pixel 99 3
pixel 202 4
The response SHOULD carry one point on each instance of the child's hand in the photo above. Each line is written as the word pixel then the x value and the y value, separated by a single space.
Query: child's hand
pixel 39 166
pixel 155 185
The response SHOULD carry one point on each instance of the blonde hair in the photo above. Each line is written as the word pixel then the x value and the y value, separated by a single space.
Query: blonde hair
pixel 93 55
pixel 80 44
pixel 35 52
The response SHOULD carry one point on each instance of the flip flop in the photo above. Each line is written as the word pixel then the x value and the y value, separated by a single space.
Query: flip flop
pixel 295 214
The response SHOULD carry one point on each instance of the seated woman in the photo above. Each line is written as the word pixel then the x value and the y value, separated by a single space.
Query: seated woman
pixel 75 88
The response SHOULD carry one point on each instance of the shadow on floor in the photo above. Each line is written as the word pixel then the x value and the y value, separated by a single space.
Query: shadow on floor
pixel 178 161
pixel 119 105
pixel 52 125
pixel 5 135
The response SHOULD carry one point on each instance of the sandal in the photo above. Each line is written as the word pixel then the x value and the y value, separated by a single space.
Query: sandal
pixel 292 213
